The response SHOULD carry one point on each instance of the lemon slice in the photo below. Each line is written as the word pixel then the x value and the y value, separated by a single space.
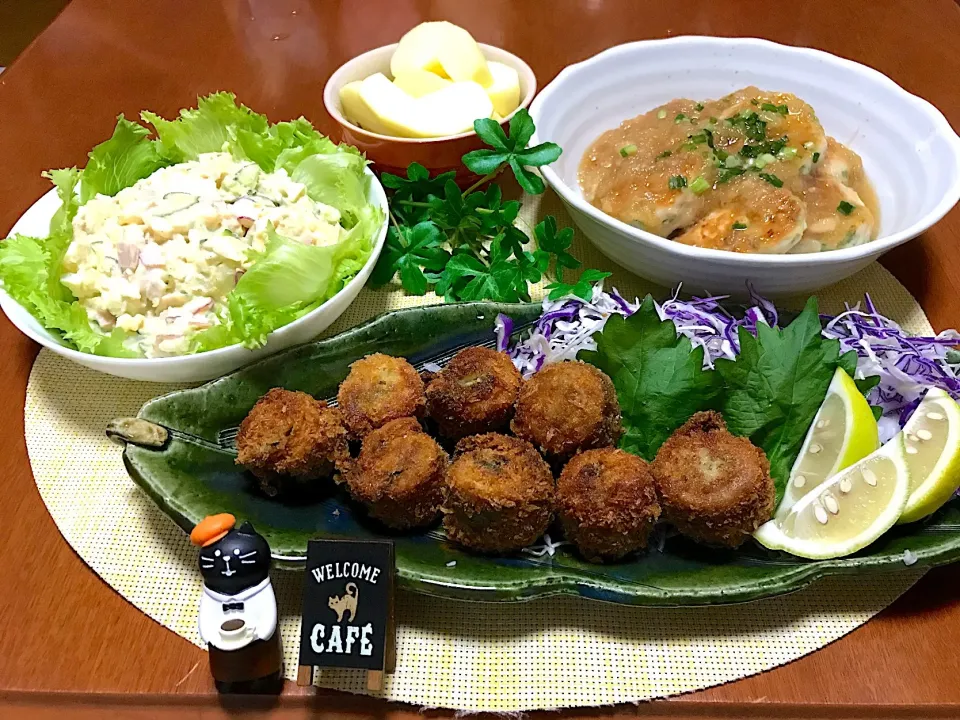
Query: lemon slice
pixel 847 512
pixel 932 438
pixel 843 431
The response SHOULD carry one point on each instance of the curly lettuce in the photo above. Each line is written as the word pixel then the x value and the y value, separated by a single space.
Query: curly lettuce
pixel 287 281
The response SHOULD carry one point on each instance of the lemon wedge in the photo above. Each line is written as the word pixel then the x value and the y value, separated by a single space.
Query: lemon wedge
pixel 842 432
pixel 932 438
pixel 847 512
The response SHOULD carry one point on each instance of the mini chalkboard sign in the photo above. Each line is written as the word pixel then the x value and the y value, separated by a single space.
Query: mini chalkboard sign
pixel 348 608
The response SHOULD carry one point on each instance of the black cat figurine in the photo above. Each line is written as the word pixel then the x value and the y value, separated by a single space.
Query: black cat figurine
pixel 238 610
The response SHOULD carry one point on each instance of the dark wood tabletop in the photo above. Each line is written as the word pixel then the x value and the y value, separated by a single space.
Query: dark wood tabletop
pixel 70 642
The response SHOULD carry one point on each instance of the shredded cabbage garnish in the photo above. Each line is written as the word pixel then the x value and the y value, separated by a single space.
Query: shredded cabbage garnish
pixel 907 365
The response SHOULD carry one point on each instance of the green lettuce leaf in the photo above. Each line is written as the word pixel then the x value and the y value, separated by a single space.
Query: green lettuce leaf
pixel 336 179
pixel 29 268
pixel 286 282
pixel 65 181
pixel 210 127
pixel 119 162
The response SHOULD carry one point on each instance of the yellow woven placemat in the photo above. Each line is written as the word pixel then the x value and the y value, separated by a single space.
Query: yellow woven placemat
pixel 551 653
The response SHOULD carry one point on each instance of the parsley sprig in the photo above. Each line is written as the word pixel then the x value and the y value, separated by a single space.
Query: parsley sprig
pixel 465 244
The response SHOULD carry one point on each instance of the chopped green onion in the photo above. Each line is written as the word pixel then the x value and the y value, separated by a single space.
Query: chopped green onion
pixel 699 186
pixel 721 155
pixel 816 158
pixel 763 160
pixel 664 154
pixel 739 226
pixel 713 120
pixel 698 107
pixel 679 118
pixel 726 174
pixel 771 147
pixel 754 102
pixel 772 179
pixel 845 208
pixel 733 161
pixel 788 153
pixel 662 114
pixel 780 109
pixel 676 182
pixel 754 127
pixel 628 150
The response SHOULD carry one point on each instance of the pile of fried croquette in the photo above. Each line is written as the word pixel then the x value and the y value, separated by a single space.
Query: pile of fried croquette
pixel 524 452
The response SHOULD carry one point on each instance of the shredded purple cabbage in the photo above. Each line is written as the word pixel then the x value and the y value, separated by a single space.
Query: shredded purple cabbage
pixel 907 365
pixel 503 327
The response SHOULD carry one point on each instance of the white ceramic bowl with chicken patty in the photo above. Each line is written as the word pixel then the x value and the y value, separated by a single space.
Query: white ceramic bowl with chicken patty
pixel 199 366
pixel 910 152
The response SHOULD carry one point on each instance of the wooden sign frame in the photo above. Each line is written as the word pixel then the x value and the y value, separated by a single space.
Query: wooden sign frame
pixel 363 573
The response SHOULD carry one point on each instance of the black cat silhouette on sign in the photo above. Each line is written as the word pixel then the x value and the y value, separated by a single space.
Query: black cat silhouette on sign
pixel 347 604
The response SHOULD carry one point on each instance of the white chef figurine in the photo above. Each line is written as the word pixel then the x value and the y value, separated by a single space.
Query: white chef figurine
pixel 238 610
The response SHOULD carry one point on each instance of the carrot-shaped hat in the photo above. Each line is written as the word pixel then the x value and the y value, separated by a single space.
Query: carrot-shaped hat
pixel 212 528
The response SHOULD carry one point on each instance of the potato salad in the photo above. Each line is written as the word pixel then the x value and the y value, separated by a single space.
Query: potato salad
pixel 157 258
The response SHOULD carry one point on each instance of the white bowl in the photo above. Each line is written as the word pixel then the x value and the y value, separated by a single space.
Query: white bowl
pixel 909 151
pixel 202 366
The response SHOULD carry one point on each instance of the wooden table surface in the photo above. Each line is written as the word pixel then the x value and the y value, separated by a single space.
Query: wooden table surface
pixel 69 641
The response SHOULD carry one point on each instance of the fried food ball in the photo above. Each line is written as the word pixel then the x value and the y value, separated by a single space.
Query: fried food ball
pixel 399 475
pixel 568 407
pixel 499 495
pixel 607 503
pixel 714 488
pixel 379 388
pixel 291 435
pixel 475 393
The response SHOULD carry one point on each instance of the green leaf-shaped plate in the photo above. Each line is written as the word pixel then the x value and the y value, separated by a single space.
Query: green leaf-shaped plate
pixel 190 480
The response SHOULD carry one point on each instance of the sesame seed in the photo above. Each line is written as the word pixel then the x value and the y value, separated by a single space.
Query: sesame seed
pixel 846 486
pixel 832 505
pixel 820 514
pixel 924 434
pixel 911 437
pixel 935 415
pixel 822 423
pixel 869 477
pixel 815 448
pixel 911 450
pixel 799 481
